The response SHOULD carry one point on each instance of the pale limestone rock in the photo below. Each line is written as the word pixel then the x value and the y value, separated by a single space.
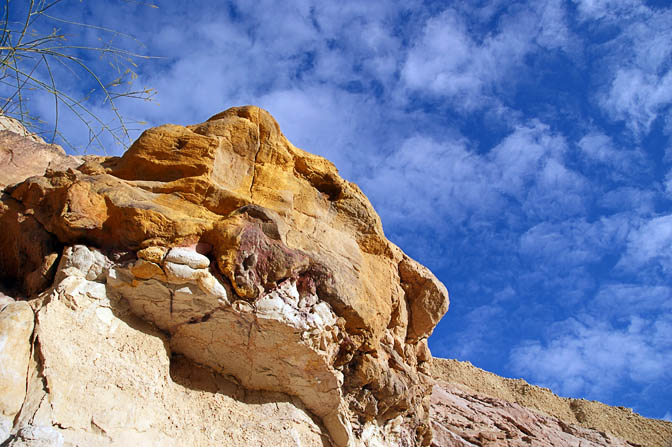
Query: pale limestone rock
pixel 180 273
pixel 16 328
pixel 185 256
pixel 37 436
pixel 283 343
pixel 107 378
pixel 79 260
pixel 5 300
pixel 5 427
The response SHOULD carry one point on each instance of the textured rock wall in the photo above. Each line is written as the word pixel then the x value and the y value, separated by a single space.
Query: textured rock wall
pixel 464 418
pixel 571 416
pixel 250 256
pixel 93 374
pixel 23 154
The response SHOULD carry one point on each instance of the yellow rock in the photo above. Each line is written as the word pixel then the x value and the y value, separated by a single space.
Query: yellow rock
pixel 270 213
pixel 153 254
pixel 146 269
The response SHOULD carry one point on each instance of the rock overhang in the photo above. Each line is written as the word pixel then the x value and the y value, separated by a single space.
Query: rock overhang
pixel 288 242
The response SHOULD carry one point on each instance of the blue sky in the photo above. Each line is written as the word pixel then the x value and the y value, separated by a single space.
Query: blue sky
pixel 521 150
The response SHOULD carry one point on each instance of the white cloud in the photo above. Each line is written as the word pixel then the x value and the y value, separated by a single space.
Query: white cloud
pixel 668 416
pixel 451 61
pixel 598 9
pixel 592 358
pixel 598 148
pixel 429 181
pixel 574 242
pixel 637 97
pixel 523 154
pixel 650 244
pixel 447 61
pixel 618 300
pixel 328 122
pixel 553 31
pixel 432 181
pixel 634 65
pixel 638 201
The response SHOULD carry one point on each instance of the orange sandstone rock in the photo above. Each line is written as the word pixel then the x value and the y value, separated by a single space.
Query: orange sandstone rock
pixel 301 292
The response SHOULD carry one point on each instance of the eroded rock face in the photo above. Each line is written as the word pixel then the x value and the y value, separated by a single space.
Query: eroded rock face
pixel 24 154
pixel 465 419
pixel 590 422
pixel 98 376
pixel 16 329
pixel 254 258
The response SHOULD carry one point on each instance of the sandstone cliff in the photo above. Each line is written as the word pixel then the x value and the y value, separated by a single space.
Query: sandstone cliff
pixel 223 245
pixel 216 285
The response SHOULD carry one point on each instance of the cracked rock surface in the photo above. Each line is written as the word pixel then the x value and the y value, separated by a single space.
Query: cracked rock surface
pixel 248 256
pixel 464 391
pixel 99 376
pixel 465 419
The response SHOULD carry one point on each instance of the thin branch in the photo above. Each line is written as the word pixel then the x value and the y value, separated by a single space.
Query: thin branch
pixel 19 47
pixel 53 87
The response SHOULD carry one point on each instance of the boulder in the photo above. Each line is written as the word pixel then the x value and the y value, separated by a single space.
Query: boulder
pixel 254 258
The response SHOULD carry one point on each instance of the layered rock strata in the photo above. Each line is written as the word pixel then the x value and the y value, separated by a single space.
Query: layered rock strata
pixel 463 418
pixel 247 255
pixel 469 394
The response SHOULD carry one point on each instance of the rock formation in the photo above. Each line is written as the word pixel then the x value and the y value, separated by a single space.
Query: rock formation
pixel 216 285
pixel 474 407
pixel 23 154
pixel 242 254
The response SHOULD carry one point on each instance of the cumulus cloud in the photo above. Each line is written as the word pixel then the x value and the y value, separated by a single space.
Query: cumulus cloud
pixel 637 97
pixel 591 357
pixel 451 181
pixel 635 64
pixel 598 148
pixel 450 61
pixel 650 245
